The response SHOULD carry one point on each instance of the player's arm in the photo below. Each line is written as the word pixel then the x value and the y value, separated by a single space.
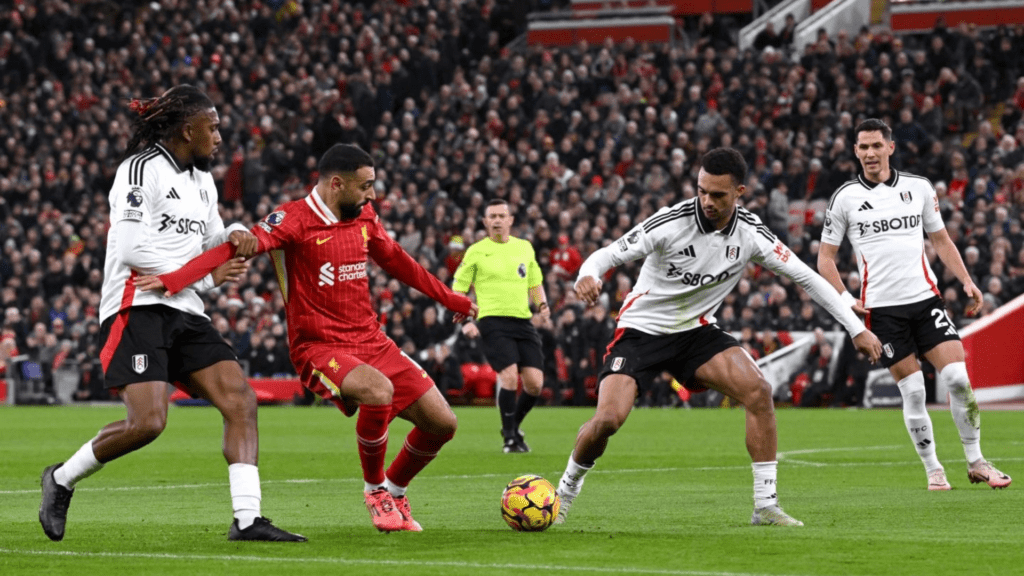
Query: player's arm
pixel 946 250
pixel 781 260
pixel 831 239
pixel 635 244
pixel 397 262
pixel 538 298
pixel 462 282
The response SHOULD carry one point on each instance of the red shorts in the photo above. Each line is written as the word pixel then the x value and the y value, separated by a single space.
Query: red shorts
pixel 322 368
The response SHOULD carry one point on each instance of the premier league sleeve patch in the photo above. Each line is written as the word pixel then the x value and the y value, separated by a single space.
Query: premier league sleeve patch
pixel 135 197
pixel 275 218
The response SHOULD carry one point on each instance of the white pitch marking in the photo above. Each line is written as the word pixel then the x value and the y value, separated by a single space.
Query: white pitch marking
pixel 361 562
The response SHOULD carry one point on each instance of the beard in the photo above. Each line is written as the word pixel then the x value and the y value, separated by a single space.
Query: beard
pixel 203 163
pixel 350 211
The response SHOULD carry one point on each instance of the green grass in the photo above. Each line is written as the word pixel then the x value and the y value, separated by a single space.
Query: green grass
pixel 671 496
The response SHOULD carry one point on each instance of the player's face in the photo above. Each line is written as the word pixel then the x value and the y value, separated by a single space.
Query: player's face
pixel 355 189
pixel 498 222
pixel 873 151
pixel 718 195
pixel 204 128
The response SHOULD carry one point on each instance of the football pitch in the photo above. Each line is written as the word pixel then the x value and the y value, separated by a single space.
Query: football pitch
pixel 672 496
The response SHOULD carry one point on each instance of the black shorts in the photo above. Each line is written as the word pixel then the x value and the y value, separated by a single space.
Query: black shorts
pixel 911 328
pixel 643 356
pixel 158 343
pixel 508 341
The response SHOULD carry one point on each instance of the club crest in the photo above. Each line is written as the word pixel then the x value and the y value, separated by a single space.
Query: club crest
pixel 140 362
pixel 906 197
pixel 732 253
pixel 888 350
pixel 617 363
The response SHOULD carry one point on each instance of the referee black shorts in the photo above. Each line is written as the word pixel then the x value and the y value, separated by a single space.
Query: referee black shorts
pixel 643 356
pixel 158 343
pixel 508 341
pixel 910 329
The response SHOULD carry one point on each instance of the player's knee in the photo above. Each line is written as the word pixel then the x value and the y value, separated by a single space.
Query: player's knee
pixel 607 423
pixel 445 425
pixel 912 390
pixel 758 396
pixel 379 392
pixel 147 427
pixel 238 402
pixel 955 377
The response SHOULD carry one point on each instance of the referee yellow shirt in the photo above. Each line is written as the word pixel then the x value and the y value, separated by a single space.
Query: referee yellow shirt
pixel 502 275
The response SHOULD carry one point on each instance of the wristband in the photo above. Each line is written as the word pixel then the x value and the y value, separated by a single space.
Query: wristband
pixel 848 299
pixel 542 306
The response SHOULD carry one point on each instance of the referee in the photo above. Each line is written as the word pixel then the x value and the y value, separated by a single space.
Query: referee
pixel 504 272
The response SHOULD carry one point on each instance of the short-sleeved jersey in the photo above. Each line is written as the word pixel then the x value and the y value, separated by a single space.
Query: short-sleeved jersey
pixel 690 268
pixel 178 207
pixel 502 274
pixel 885 223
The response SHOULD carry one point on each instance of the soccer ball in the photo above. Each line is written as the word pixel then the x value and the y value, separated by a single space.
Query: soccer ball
pixel 529 504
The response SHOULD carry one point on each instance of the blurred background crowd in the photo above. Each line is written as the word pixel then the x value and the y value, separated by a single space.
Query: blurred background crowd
pixel 583 142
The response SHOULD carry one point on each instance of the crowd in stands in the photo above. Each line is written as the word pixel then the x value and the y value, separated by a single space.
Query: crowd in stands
pixel 583 142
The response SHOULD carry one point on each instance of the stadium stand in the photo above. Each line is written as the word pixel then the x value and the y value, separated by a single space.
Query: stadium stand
pixel 583 139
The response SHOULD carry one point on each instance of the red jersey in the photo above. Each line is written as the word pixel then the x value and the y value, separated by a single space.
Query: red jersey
pixel 321 269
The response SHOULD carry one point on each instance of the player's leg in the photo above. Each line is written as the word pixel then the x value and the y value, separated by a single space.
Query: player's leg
pixel 224 385
pixel 434 425
pixel 615 397
pixel 502 352
pixel 734 373
pixel 531 365
pixel 910 380
pixel 948 359
pixel 134 360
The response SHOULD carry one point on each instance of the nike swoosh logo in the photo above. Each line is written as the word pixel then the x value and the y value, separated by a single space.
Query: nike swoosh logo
pixel 320 241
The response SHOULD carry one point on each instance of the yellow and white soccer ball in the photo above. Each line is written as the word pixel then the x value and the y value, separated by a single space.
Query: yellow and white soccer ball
pixel 529 503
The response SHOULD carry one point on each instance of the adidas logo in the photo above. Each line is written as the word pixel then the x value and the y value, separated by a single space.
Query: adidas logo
pixel 865 206
pixel 689 251
pixel 173 194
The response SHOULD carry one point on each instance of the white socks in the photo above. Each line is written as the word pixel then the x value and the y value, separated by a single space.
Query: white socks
pixel 80 466
pixel 765 474
pixel 394 489
pixel 964 408
pixel 245 493
pixel 572 478
pixel 916 418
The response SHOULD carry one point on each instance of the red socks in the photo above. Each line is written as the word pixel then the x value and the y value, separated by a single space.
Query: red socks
pixel 419 449
pixel 372 436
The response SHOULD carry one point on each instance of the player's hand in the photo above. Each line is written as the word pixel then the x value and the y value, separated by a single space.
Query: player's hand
pixel 470 330
pixel 245 243
pixel 473 311
pixel 151 284
pixel 976 299
pixel 588 289
pixel 869 345
pixel 233 270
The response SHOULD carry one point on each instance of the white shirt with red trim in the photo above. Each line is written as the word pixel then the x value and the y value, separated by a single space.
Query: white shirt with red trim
pixel 886 223
pixel 173 214
pixel 690 268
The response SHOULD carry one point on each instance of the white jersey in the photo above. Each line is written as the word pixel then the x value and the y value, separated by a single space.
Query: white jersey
pixel 177 210
pixel 884 223
pixel 691 268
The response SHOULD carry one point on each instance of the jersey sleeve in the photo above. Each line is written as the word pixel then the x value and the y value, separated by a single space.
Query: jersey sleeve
pixel 390 256
pixel 465 274
pixel 931 217
pixel 834 228
pixel 534 276
pixel 277 229
pixel 779 259
pixel 635 244
pixel 133 202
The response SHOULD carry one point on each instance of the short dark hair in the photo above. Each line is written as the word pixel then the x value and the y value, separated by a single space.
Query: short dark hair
pixel 725 161
pixel 343 158
pixel 872 125
pixel 496 201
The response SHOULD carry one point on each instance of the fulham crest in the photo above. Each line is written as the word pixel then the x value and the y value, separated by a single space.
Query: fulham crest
pixel 617 363
pixel 140 362
pixel 732 253
pixel 906 197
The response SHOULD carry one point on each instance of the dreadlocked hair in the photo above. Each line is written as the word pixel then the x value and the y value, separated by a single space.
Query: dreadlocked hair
pixel 156 118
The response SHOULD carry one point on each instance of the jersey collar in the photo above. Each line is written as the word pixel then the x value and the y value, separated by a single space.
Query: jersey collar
pixel 706 226
pixel 894 177
pixel 170 158
pixel 316 203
